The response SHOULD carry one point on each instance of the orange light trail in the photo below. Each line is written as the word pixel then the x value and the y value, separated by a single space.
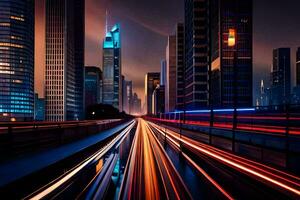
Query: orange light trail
pixel 241 164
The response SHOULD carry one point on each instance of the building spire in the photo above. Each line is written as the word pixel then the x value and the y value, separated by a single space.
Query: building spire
pixel 106 22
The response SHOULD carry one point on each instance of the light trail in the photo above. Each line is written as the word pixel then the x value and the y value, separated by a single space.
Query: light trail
pixel 150 173
pixel 65 178
pixel 244 165
pixel 207 176
pixel 240 126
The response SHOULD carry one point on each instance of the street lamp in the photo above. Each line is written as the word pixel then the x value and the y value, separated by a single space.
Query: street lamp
pixel 232 43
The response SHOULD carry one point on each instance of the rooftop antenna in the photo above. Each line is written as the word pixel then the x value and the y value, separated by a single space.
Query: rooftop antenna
pixel 106 22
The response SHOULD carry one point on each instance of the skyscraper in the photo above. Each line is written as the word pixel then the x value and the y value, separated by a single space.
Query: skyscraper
pixel 281 76
pixel 163 72
pixel 179 66
pixel 196 53
pixel 127 96
pixel 112 69
pixel 92 81
pixel 16 60
pixel 64 87
pixel 236 15
pixel 298 67
pixel 39 108
pixel 137 105
pixel 151 82
pixel 170 87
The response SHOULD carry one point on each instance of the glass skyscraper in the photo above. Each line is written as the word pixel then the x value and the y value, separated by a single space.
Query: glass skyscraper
pixel 152 80
pixel 196 53
pixel 16 60
pixel 64 82
pixel 237 15
pixel 93 76
pixel 281 76
pixel 112 69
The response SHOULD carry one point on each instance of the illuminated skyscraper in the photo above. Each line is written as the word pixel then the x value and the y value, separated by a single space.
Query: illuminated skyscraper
pixel 16 60
pixel 64 87
pixel 127 96
pixel 236 15
pixel 151 82
pixel 112 69
pixel 179 66
pixel 196 53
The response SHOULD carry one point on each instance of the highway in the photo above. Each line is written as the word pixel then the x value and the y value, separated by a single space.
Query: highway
pixel 144 160
pixel 150 174
pixel 231 174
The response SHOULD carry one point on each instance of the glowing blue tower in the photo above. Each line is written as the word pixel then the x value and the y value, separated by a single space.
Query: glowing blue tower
pixel 112 70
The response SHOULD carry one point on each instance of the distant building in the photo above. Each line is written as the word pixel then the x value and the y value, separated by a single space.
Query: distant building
pixel 236 15
pixel 196 53
pixel 39 108
pixel 64 81
pixel 92 83
pixel 17 60
pixel 163 72
pixel 281 76
pixel 112 69
pixel 152 80
pixel 127 96
pixel 170 87
pixel 158 99
pixel 136 105
pixel 179 33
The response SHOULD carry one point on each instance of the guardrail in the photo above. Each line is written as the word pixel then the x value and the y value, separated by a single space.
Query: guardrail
pixel 20 138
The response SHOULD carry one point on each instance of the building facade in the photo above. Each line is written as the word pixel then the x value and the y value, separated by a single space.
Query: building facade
pixel 39 108
pixel 127 97
pixel 92 83
pixel 231 65
pixel 112 69
pixel 196 53
pixel 17 60
pixel 152 80
pixel 163 72
pixel 158 99
pixel 137 105
pixel 64 81
pixel 170 87
pixel 281 76
pixel 179 32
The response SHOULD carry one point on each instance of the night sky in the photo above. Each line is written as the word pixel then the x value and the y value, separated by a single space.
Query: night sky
pixel 145 25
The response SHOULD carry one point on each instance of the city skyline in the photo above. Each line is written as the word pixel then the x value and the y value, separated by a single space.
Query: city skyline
pixel 268 35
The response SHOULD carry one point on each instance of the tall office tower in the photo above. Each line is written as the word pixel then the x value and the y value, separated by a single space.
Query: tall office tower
pixel 298 67
pixel 92 83
pixel 152 80
pixel 127 96
pixel 179 66
pixel 112 69
pixel 235 15
pixel 39 108
pixel 158 99
pixel 16 60
pixel 64 87
pixel 137 105
pixel 170 87
pixel 196 53
pixel 281 76
pixel 163 72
